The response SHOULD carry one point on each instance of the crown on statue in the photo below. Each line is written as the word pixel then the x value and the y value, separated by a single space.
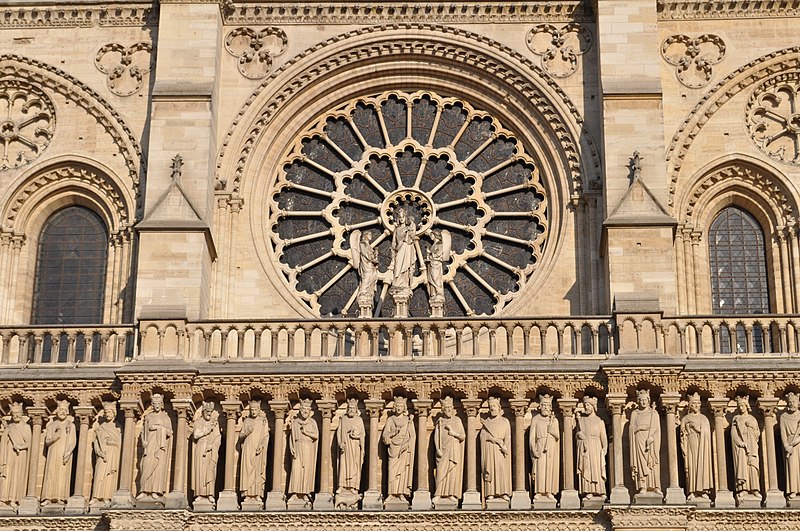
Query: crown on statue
pixel 791 395
pixel 643 393
pixel 494 400
pixel 16 407
pixel 400 398
pixel 545 399
pixel 63 404
pixel 743 399
pixel 107 404
pixel 208 406
pixel 305 402
pixel 694 398
pixel 255 403
pixel 157 397
pixel 588 399
pixel 352 401
pixel 447 401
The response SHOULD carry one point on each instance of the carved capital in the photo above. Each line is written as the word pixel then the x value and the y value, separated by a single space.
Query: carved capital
pixel 279 408
pixel 669 403
pixel 422 406
pixel 472 406
pixel 616 403
pixel 567 406
pixel 327 407
pixel 719 406
pixel 374 408
pixel 84 413
pixel 768 406
pixel 519 406
pixel 37 414
pixel 231 408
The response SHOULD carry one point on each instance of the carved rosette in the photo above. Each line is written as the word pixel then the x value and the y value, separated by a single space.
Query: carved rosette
pixel 447 164
pixel 693 57
pixel 255 49
pixel 125 67
pixel 773 117
pixel 559 47
pixel 27 122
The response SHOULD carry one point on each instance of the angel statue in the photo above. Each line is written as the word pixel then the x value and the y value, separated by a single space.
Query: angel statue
pixel 438 255
pixel 365 260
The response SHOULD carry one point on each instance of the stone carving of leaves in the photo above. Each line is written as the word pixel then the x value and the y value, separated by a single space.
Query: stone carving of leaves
pixel 255 49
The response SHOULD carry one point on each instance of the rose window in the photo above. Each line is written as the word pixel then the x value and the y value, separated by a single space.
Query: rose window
pixel 27 122
pixel 773 117
pixel 449 167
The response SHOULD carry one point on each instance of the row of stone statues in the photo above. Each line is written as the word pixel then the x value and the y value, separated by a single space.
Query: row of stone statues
pixel 400 437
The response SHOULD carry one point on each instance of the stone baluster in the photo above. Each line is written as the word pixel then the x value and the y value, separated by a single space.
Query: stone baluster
pixel 324 499
pixel 177 498
pixel 373 501
pixel 775 497
pixel 520 498
pixel 275 497
pixel 724 498
pixel 472 498
pixel 228 499
pixel 123 499
pixel 569 494
pixel 675 494
pixel 619 493
pixel 30 503
pixel 77 503
pixel 422 496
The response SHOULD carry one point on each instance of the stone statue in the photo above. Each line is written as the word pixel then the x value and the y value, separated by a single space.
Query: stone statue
pixel 495 439
pixel 107 447
pixel 438 255
pixel 404 251
pixel 206 438
pixel 303 441
pixel 156 440
pixel 744 440
pixel 365 260
pixel 449 437
pixel 544 444
pixel 592 447
pixel 400 436
pixel 696 447
pixel 254 439
pixel 790 437
pixel 15 441
pixel 59 442
pixel 350 437
pixel 645 444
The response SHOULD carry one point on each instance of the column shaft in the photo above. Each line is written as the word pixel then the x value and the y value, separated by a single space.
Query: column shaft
pixel 619 493
pixel 324 499
pixel 472 499
pixel 724 498
pixel 275 499
pixel 372 498
pixel 228 499
pixel 77 503
pixel 775 497
pixel 569 494
pixel 520 499
pixel 422 496
pixel 30 504
pixel 675 494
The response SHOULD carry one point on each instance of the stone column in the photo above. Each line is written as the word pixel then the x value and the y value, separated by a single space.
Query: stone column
pixel 422 496
pixel 123 499
pixel 373 501
pixel 30 503
pixel 619 493
pixel 324 499
pixel 724 498
pixel 177 498
pixel 77 503
pixel 520 498
pixel 228 499
pixel 675 494
pixel 275 497
pixel 472 498
pixel 569 494
pixel 775 496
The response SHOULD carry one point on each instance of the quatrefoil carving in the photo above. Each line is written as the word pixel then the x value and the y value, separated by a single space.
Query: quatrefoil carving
pixel 559 47
pixel 255 49
pixel 125 67
pixel 693 57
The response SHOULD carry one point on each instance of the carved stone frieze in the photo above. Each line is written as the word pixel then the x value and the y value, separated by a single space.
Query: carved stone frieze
pixel 716 9
pixel 111 14
pixel 255 49
pixel 27 122
pixel 559 47
pixel 693 58
pixel 125 66
pixel 773 118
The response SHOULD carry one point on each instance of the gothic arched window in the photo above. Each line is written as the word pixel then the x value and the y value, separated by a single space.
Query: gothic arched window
pixel 71 268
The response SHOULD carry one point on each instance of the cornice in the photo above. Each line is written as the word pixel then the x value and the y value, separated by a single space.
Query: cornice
pixel 721 10
pixel 134 14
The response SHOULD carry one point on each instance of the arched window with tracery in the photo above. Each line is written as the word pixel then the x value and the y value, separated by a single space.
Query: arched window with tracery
pixel 738 263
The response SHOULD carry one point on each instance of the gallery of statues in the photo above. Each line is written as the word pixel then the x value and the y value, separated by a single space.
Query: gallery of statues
pixel 406 265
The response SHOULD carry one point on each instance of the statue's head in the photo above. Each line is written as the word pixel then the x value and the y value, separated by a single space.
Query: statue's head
pixel 109 410
pixel 495 408
pixel 437 236
pixel 448 409
pixel 208 409
pixel 254 408
pixel 62 409
pixel 157 402
pixel 305 408
pixel 694 403
pixel 590 404
pixel 366 237
pixel 743 403
pixel 643 398
pixel 792 401
pixel 16 411
pixel 400 405
pixel 352 407
pixel 545 405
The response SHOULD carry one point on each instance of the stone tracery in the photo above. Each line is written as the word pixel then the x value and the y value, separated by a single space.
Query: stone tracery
pixel 27 122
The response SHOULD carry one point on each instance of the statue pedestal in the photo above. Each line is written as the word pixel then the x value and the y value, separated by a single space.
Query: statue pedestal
pixel 75 505
pixel 365 309
pixel 122 499
pixel 724 500
pixel 228 501
pixel 348 500
pixel 395 503
pixel 541 503
pixel 323 501
pixel 52 509
pixel 592 502
pixel 620 496
pixel 570 499
pixel 7 510
pixel 497 504
pixel 748 501
pixel 252 504
pixel 437 307
pixel 445 504
pixel 148 502
pixel 372 501
pixel 298 503
pixel 774 500
pixel 675 496
pixel 521 500
pixel 648 498
pixel 275 501
pixel 700 503
pixel 421 501
pixel 29 506
pixel 794 503
pixel 472 501
pixel 176 500
pixel 203 505
pixel 400 296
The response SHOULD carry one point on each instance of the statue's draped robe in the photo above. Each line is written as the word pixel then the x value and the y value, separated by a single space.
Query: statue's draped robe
pixel 790 436
pixel 436 270
pixel 591 458
pixel 60 442
pixel 745 431
pixel 400 447
pixel 207 439
pixel 157 448
pixel 107 443
pixel 449 457
pixel 14 463
pixel 367 271
pixel 544 438
pixel 645 445
pixel 303 447
pixel 496 465
pixel 405 255
pixel 696 446
pixel 350 436
pixel 253 472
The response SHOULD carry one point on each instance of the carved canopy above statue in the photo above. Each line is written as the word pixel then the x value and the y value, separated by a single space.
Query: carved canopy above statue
pixel 447 165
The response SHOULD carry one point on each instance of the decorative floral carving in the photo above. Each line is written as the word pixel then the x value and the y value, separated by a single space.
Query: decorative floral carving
pixel 773 117
pixel 27 122
pixel 693 57
pixel 559 47
pixel 255 49
pixel 125 67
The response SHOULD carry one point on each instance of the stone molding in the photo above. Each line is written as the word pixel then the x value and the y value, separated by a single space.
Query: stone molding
pixel 119 14
pixel 720 10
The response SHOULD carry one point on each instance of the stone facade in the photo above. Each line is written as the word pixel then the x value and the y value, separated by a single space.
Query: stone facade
pixel 419 244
